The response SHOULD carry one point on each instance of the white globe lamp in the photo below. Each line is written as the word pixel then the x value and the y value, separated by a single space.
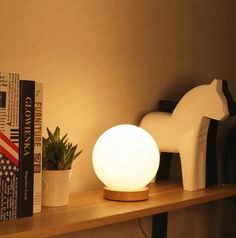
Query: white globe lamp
pixel 126 159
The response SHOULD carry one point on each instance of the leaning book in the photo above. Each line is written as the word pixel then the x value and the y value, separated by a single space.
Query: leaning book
pixel 9 145
pixel 38 147
pixel 26 154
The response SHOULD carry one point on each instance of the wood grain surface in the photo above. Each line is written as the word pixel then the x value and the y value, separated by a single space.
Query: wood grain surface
pixel 89 210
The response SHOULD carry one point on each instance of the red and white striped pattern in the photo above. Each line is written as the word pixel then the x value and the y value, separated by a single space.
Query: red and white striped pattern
pixel 9 149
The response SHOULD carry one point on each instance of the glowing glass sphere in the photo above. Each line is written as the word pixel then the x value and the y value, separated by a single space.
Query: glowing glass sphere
pixel 126 158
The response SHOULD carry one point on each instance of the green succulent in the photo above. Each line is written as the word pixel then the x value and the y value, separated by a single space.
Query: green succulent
pixel 58 153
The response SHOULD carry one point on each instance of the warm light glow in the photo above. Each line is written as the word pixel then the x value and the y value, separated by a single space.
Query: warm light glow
pixel 125 158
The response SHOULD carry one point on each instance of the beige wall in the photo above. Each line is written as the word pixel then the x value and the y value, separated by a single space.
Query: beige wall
pixel 108 62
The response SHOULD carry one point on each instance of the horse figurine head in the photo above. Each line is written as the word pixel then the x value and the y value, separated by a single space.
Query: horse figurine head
pixel 217 104
pixel 208 100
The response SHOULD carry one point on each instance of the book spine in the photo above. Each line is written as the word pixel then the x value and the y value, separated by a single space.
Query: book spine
pixel 9 145
pixel 26 162
pixel 38 147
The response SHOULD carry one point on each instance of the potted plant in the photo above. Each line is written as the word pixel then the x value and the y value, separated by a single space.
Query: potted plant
pixel 58 156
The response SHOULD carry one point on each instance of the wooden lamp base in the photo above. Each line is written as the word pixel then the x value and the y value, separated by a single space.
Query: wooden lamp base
pixel 125 196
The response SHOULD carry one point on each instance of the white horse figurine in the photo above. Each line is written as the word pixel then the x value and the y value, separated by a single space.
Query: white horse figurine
pixel 185 130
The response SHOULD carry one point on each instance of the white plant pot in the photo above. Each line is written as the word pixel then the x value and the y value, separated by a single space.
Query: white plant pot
pixel 56 187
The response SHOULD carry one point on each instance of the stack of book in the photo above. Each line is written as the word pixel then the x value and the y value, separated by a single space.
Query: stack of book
pixel 20 146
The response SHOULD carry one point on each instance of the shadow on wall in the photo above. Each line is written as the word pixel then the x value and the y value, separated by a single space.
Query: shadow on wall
pixel 228 150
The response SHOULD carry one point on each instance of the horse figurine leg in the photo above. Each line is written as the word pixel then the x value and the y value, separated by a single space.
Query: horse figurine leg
pixel 193 157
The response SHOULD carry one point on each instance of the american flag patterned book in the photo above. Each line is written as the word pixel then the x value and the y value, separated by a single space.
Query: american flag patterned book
pixel 9 145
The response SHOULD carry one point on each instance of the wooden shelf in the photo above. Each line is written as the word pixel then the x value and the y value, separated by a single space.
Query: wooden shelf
pixel 88 210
